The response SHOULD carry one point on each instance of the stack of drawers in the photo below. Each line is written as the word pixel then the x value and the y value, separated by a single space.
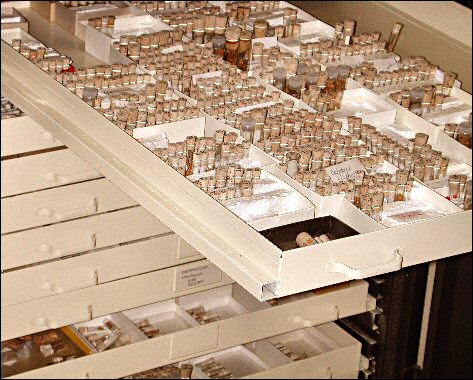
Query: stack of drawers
pixel 75 247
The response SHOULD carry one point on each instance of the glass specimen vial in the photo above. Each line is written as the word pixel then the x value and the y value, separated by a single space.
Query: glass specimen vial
pixel 199 31
pixel 219 45
pixel 244 50
pixel 393 37
pixel 294 86
pixel 260 28
pixel 464 134
pixel 279 78
pixel 247 127
pixel 232 36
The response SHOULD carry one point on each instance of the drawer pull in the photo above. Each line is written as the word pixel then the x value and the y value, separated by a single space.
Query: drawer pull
pixel 59 252
pixel 357 274
pixel 57 289
pixel 335 315
pixel 76 213
pixel 328 374
pixel 47 323
pixel 71 178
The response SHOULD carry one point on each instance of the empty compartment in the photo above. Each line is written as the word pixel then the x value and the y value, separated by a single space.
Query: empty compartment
pixel 109 331
pixel 160 318
pixel 212 305
pixel 285 237
pixel 237 361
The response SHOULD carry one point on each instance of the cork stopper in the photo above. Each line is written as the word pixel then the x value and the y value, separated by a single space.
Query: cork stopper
pixel 209 21
pixel 220 21
pixel 199 23
pixel 261 24
pixel 258 48
pixel 233 34
pixel 348 27
pixel 245 35
pixel 397 27
pixel 304 239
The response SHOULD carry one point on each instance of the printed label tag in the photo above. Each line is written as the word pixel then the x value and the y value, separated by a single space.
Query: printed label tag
pixel 197 276
pixel 345 171
pixel 212 74
pixel 409 216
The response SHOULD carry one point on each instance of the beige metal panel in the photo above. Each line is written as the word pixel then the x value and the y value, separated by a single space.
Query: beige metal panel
pixel 374 253
pixel 201 221
pixel 63 203
pixel 76 236
pixel 85 304
pixel 22 135
pixel 64 276
pixel 294 315
pixel 38 172
pixel 211 338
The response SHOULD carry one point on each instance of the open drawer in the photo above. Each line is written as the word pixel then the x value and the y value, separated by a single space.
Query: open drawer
pixel 252 260
pixel 181 337
pixel 324 352
pixel 96 299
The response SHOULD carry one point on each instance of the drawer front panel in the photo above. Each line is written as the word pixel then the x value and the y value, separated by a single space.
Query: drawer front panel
pixel 65 309
pixel 42 171
pixel 76 236
pixel 341 357
pixel 312 311
pixel 64 276
pixel 22 135
pixel 64 203
pixel 338 362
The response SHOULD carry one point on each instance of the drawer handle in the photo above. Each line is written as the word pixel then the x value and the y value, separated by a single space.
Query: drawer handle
pixel 47 323
pixel 57 289
pixel 71 178
pixel 328 374
pixel 335 315
pixel 357 274
pixel 59 252
pixel 76 213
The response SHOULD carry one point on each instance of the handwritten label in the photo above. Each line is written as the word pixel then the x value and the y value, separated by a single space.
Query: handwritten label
pixel 172 49
pixel 409 216
pixel 212 74
pixel 386 64
pixel 344 171
pixel 197 276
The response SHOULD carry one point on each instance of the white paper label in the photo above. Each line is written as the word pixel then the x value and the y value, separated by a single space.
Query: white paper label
pixel 197 276
pixel 275 21
pixel 267 41
pixel 409 216
pixel 260 105
pixel 345 171
pixel 172 49
pixel 438 183
pixel 212 74
pixel 386 64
